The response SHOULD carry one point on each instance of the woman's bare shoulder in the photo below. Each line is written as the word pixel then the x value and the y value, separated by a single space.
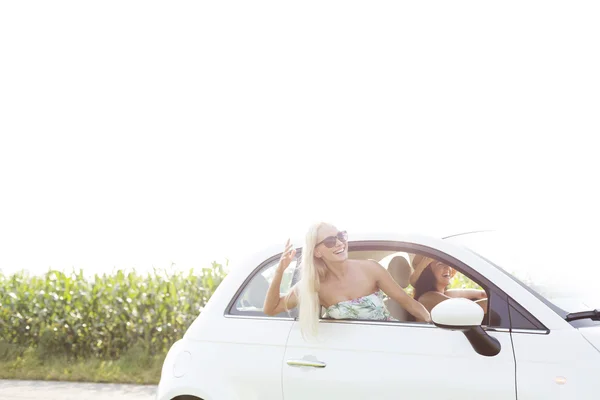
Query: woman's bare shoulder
pixel 369 266
pixel 369 269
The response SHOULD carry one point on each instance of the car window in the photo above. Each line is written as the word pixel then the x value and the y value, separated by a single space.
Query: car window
pixel 461 281
pixel 400 271
pixel 251 298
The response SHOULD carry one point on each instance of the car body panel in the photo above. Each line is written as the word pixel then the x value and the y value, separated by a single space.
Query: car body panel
pixel 238 358
pixel 558 365
pixel 592 335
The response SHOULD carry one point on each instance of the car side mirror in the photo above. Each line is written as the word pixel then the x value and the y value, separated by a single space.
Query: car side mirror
pixel 464 315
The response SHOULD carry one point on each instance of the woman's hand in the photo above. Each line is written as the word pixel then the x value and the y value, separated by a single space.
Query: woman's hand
pixel 286 257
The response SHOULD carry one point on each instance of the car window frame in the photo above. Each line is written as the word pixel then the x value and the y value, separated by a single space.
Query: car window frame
pixel 498 301
pixel 268 263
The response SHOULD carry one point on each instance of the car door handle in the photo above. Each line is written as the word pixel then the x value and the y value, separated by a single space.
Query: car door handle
pixel 306 363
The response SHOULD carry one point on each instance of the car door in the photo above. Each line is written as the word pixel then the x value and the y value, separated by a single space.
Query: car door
pixel 390 360
pixel 359 360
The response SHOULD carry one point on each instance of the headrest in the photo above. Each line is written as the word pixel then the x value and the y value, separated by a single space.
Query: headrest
pixel 400 269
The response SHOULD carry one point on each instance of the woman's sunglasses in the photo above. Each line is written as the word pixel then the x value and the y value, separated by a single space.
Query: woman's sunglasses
pixel 330 241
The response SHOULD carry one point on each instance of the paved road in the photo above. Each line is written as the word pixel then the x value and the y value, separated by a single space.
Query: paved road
pixel 50 390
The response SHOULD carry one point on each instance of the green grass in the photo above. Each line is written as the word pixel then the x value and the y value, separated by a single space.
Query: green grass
pixel 131 368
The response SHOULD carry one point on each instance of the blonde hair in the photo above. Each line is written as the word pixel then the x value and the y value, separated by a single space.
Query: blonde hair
pixel 312 271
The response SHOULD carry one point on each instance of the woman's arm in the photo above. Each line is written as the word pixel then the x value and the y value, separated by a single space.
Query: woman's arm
pixel 390 287
pixel 274 302
pixel 471 294
pixel 432 299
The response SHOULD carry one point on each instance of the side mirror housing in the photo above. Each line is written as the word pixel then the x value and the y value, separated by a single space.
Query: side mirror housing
pixel 464 315
pixel 457 314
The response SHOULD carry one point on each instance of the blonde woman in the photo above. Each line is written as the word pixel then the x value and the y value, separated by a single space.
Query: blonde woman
pixel 345 288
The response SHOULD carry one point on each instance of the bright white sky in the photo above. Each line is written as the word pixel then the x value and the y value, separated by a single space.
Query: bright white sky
pixel 141 133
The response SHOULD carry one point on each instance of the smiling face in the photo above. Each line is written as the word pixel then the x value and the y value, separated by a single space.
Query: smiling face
pixel 442 272
pixel 331 246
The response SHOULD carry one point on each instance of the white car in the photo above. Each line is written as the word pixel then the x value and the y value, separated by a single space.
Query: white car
pixel 539 339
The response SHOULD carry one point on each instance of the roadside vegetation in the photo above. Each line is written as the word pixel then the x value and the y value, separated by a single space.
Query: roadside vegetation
pixel 110 328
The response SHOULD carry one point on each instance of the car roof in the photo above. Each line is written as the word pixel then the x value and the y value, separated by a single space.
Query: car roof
pixel 253 258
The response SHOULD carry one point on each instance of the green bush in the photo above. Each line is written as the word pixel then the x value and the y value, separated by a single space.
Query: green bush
pixel 105 316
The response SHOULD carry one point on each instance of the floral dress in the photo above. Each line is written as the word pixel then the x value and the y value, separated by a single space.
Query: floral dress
pixel 370 307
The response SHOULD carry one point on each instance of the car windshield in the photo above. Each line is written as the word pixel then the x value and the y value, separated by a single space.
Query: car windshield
pixel 559 267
